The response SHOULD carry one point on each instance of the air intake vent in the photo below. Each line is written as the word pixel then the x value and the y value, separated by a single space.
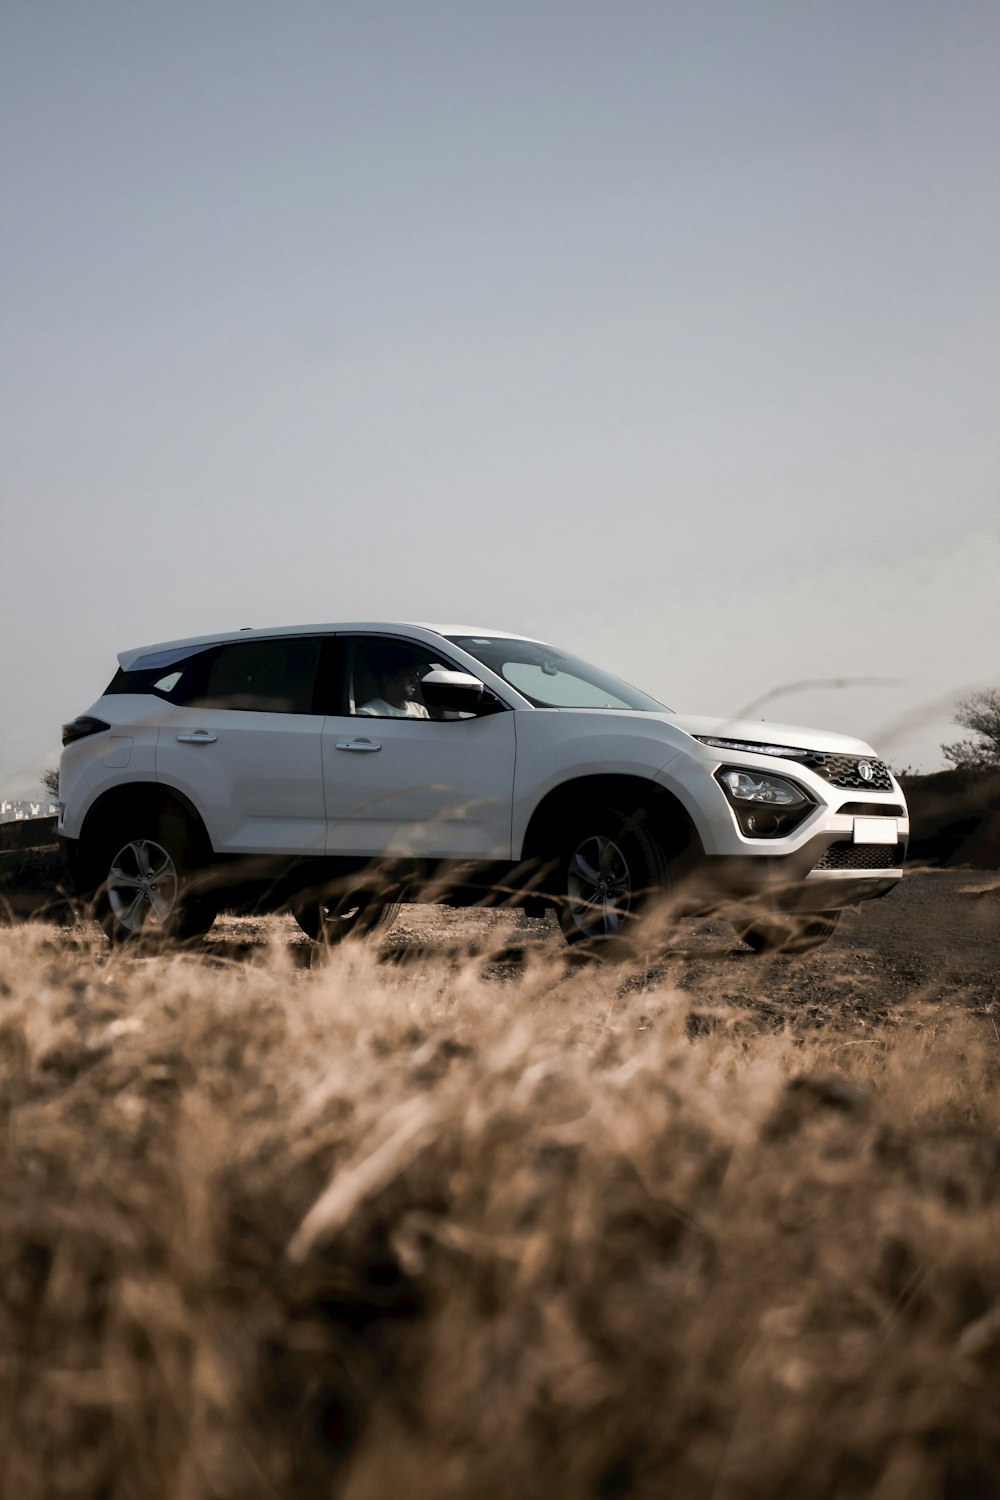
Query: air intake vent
pixel 847 856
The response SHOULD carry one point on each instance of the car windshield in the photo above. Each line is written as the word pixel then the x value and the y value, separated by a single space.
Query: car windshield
pixel 553 679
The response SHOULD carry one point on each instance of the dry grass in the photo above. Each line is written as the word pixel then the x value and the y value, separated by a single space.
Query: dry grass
pixel 368 1231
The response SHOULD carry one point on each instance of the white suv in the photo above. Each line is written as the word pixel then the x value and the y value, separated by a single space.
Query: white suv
pixel 337 770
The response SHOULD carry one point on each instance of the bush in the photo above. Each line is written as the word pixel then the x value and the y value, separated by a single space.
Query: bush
pixel 980 712
pixel 955 818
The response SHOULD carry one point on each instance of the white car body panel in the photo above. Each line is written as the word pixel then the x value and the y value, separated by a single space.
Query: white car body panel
pixel 93 765
pixel 259 786
pixel 765 733
pixel 435 789
pixel 556 745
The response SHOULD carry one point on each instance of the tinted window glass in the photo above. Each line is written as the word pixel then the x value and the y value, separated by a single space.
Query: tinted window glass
pixel 177 684
pixel 268 676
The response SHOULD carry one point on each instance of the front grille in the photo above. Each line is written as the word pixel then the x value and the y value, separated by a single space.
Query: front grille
pixel 847 856
pixel 842 770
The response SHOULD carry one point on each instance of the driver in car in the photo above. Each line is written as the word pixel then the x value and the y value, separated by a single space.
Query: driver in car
pixel 396 677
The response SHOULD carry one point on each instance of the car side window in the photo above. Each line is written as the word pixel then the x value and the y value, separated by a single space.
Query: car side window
pixel 275 676
pixel 383 676
pixel 179 679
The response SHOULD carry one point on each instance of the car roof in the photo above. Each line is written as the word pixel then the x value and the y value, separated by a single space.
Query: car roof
pixel 160 653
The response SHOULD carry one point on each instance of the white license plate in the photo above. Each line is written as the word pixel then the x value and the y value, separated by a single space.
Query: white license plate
pixel 875 831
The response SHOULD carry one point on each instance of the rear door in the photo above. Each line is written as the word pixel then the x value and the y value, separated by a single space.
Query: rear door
pixel 246 748
pixel 400 782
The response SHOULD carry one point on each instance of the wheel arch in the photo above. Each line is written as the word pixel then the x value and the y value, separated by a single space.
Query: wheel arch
pixel 562 806
pixel 140 798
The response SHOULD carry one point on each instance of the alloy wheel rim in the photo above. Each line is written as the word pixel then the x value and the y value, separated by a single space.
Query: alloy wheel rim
pixel 339 917
pixel 598 887
pixel 142 885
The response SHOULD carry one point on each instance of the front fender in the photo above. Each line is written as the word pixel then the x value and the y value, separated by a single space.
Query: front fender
pixel 555 748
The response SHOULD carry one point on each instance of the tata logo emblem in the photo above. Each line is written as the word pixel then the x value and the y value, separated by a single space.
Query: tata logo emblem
pixel 866 770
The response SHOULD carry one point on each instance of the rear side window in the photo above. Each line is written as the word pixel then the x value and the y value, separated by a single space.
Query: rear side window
pixel 177 681
pixel 276 676
pixel 269 676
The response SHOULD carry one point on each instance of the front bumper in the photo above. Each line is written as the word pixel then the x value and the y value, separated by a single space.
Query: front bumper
pixel 822 875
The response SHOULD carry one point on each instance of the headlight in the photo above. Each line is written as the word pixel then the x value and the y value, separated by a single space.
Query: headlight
pixel 754 747
pixel 748 786
pixel 765 807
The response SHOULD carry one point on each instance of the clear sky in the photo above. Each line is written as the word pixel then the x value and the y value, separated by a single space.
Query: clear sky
pixel 669 332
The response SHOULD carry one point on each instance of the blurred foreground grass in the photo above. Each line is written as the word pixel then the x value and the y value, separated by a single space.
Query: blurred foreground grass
pixel 368 1231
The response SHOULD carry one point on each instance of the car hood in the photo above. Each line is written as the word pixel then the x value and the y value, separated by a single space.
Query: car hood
pixel 763 732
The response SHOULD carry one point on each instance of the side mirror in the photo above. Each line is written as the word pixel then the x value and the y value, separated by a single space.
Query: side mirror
pixel 455 692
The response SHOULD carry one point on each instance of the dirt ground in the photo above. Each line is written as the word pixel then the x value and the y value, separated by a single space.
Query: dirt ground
pixel 936 938
pixel 933 941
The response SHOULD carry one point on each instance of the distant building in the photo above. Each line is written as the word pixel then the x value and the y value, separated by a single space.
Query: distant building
pixel 13 812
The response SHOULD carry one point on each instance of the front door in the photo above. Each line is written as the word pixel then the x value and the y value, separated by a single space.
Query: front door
pixel 400 781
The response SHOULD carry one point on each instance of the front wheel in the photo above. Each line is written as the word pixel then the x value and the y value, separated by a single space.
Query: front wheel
pixel 613 870
pixel 788 933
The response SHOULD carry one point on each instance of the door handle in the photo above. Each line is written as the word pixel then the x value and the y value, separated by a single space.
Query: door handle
pixel 198 737
pixel 357 745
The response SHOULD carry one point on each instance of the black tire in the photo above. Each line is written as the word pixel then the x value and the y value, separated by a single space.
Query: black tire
pixel 613 872
pixel 788 933
pixel 331 918
pixel 159 858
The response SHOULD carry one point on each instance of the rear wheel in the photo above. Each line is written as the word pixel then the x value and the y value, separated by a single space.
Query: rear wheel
pixel 613 870
pixel 145 875
pixel 331 918
pixel 788 932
